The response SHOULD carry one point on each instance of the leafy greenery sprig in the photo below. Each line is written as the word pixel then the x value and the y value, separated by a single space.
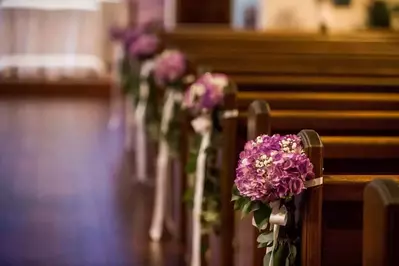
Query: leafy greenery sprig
pixel 174 133
pixel 285 251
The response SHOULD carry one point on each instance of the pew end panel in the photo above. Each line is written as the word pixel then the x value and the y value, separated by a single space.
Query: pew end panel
pixel 311 238
pixel 225 249
pixel 176 222
pixel 259 116
pixel 380 223
pixel 246 234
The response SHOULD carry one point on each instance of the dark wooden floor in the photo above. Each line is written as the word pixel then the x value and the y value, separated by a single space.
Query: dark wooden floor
pixel 66 190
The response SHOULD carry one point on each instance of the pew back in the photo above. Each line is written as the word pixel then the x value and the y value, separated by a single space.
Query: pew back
pixel 381 221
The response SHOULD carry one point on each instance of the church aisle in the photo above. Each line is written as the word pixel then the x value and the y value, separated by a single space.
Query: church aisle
pixel 66 195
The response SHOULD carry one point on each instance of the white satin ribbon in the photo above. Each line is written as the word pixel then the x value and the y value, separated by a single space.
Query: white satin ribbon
pixel 203 126
pixel 230 114
pixel 278 217
pixel 129 120
pixel 158 216
pixel 141 136
pixel 117 54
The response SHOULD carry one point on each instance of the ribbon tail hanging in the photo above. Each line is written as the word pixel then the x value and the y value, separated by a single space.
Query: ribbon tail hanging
pixel 141 136
pixel 277 218
pixel 199 190
pixel 158 217
pixel 276 230
pixel 129 121
pixel 115 119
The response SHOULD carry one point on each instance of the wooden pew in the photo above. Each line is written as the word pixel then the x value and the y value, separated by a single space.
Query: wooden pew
pixel 258 61
pixel 368 131
pixel 380 223
pixel 342 199
pixel 177 214
pixel 311 219
pixel 245 234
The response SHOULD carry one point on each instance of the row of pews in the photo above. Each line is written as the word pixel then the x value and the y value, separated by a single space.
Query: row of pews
pixel 333 221
pixel 346 92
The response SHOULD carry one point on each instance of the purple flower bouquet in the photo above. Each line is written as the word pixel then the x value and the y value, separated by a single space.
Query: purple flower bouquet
pixel 144 46
pixel 170 68
pixel 206 93
pixel 271 171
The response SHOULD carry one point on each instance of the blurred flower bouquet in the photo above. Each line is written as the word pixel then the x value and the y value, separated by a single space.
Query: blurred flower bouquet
pixel 271 171
pixel 140 46
pixel 204 99
pixel 139 43
pixel 171 74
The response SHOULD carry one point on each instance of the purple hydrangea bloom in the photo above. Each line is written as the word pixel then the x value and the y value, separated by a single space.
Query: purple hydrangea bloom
pixel 145 45
pixel 117 33
pixel 206 93
pixel 170 66
pixel 273 167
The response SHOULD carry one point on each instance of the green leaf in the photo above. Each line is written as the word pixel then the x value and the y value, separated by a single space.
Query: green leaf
pixel 239 204
pixel 255 206
pixel 246 208
pixel 266 259
pixel 265 238
pixel 292 255
pixel 261 215
pixel 191 165
pixel 235 191
pixel 235 197
pixel 280 254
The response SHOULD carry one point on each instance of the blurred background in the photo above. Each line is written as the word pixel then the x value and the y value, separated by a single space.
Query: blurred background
pixel 70 38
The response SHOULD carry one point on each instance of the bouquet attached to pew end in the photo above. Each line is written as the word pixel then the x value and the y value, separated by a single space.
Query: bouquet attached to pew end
pixel 271 171
pixel 139 44
pixel 204 100
pixel 172 73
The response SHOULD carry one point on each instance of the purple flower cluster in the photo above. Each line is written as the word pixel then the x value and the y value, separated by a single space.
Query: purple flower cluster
pixel 170 66
pixel 145 45
pixel 273 167
pixel 206 93
pixel 139 41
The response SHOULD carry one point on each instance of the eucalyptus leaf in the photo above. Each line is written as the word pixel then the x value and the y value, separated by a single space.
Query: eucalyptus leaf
pixel 235 191
pixel 246 208
pixel 292 255
pixel 235 197
pixel 239 203
pixel 265 238
pixel 280 254
pixel 266 259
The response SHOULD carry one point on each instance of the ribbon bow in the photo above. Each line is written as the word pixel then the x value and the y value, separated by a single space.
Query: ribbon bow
pixel 278 216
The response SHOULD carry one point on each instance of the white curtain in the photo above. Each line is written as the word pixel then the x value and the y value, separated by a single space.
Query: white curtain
pixel 56 38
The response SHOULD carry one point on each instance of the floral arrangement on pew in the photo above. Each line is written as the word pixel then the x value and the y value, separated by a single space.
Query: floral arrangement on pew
pixel 141 45
pixel 204 99
pixel 271 171
pixel 138 44
pixel 171 72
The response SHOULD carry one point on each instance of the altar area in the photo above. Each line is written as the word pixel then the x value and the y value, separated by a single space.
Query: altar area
pixel 57 39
